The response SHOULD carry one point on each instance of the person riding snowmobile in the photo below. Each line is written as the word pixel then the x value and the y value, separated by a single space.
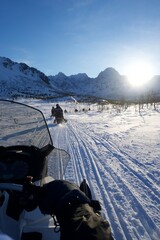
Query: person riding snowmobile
pixel 58 114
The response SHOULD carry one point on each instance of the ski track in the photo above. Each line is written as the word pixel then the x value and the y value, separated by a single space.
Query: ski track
pixel 114 180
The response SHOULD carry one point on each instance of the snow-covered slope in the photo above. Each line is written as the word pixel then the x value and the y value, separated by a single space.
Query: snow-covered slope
pixel 18 79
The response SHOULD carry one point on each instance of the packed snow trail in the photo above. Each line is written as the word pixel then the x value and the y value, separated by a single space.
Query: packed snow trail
pixel 130 198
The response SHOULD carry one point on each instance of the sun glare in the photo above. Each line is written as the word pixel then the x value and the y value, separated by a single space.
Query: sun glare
pixel 139 73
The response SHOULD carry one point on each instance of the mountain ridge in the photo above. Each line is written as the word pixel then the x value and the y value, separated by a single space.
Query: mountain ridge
pixel 19 79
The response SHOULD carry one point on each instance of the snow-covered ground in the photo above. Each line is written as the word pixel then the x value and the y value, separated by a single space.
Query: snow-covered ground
pixel 118 153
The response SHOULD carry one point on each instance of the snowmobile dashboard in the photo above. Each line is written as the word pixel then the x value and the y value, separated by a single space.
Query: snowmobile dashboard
pixel 18 162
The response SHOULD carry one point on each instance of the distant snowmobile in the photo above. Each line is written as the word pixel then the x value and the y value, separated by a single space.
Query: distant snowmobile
pixel 57 113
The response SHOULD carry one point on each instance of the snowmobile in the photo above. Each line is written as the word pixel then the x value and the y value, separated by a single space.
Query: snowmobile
pixel 57 113
pixel 26 154
pixel 60 120
pixel 36 203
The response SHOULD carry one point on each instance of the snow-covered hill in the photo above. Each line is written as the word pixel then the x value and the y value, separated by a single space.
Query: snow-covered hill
pixel 18 79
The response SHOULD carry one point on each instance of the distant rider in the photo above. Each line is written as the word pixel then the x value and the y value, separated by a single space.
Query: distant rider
pixel 52 112
pixel 58 114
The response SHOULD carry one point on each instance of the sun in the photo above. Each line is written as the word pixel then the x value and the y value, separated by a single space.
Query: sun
pixel 138 73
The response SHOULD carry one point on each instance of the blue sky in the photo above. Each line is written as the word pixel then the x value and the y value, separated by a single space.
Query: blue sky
pixel 76 36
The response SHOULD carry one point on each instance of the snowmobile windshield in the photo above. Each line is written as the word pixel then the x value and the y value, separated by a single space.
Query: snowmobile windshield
pixel 23 125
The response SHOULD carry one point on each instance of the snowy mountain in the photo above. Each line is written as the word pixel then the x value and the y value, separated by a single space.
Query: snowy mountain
pixel 18 79
pixel 109 84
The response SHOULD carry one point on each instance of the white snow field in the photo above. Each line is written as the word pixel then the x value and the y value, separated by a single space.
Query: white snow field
pixel 118 153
